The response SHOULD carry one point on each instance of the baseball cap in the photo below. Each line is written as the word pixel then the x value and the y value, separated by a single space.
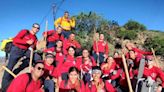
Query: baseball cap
pixel 37 62
pixel 149 57
pixel 96 69
pixel 50 55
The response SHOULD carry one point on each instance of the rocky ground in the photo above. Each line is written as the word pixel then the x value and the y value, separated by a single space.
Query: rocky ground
pixel 2 62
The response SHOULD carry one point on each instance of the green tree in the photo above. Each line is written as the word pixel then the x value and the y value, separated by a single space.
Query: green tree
pixel 85 24
pixel 134 25
pixel 126 34
pixel 157 43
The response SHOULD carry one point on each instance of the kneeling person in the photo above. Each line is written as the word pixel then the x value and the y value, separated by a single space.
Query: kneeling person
pixel 29 82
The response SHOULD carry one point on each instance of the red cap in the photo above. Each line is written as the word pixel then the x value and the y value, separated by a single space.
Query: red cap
pixel 149 57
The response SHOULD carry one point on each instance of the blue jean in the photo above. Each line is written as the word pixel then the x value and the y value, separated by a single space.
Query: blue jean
pixel 100 57
pixel 66 34
pixel 15 54
pixel 49 86
pixel 86 78
pixel 64 76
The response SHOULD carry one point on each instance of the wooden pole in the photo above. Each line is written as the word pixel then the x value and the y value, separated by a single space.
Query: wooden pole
pixel 31 58
pixel 9 71
pixel 96 40
pixel 127 73
pixel 155 58
pixel 45 38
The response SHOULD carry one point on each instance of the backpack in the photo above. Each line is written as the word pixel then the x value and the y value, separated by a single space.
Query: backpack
pixel 8 43
pixel 29 80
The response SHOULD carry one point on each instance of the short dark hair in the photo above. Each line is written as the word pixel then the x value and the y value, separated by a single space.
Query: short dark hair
pixel 71 69
pixel 66 12
pixel 96 68
pixel 33 25
pixel 37 62
pixel 71 47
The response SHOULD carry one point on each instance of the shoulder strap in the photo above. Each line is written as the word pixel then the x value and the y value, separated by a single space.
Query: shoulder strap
pixel 90 85
pixel 105 85
pixel 51 34
pixel 82 60
pixel 65 58
pixel 65 83
pixel 27 33
pixel 29 80
pixel 61 20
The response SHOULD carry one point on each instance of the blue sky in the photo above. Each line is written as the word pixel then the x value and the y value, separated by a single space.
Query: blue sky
pixel 21 14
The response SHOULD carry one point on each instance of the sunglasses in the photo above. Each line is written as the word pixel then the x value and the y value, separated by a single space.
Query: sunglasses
pixel 40 68
pixel 36 27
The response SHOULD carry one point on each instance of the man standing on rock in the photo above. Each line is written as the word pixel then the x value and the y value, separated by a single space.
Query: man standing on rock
pixel 21 42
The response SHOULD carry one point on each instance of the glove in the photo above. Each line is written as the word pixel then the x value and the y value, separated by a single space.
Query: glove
pixel 149 81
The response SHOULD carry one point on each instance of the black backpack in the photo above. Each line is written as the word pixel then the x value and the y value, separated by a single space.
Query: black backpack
pixel 10 44
pixel 29 80
pixel 8 47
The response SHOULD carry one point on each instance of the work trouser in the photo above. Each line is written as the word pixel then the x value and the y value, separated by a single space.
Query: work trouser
pixel 51 44
pixel 49 86
pixel 99 57
pixel 15 54
pixel 66 34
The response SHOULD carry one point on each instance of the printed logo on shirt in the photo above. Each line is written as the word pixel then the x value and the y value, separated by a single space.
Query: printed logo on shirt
pixel 103 44
pixel 74 62
pixel 60 54
pixel 153 75
pixel 27 37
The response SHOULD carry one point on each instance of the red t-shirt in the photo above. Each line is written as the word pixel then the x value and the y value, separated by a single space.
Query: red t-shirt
pixel 86 66
pixel 154 72
pixel 79 86
pixel 19 84
pixel 53 36
pixel 50 70
pixel 101 46
pixel 68 62
pixel 67 43
pixel 109 70
pixel 92 88
pixel 20 40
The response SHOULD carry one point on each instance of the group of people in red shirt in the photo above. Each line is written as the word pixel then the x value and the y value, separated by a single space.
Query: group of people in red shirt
pixel 64 69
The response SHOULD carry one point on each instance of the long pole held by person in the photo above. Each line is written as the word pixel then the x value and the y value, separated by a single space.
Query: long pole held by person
pixel 9 71
pixel 127 73
pixel 31 58
pixel 155 58
pixel 54 12
pixel 45 38
pixel 96 40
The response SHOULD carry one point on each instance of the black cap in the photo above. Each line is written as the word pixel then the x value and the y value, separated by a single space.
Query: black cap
pixel 37 62
pixel 50 54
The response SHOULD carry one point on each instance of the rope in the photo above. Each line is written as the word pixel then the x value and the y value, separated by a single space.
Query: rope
pixel 44 18
pixel 54 5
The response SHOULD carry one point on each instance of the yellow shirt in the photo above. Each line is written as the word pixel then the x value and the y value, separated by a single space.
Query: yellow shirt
pixel 66 24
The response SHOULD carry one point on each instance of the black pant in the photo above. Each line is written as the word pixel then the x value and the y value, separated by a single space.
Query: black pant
pixel 15 54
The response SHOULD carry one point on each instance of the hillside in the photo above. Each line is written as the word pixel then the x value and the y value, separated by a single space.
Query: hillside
pixel 118 35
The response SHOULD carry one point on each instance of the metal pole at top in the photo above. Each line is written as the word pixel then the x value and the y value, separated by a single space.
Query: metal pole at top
pixel 54 12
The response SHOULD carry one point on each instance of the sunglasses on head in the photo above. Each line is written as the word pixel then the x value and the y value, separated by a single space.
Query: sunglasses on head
pixel 36 27
pixel 40 68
